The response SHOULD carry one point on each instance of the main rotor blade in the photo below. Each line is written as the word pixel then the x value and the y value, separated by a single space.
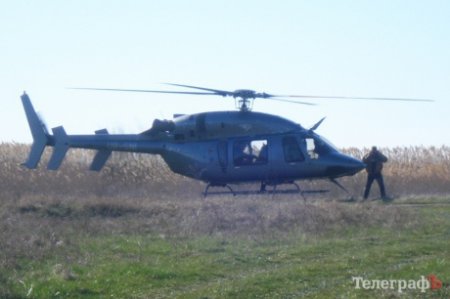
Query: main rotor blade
pixel 216 91
pixel 273 98
pixel 280 98
pixel 144 90
pixel 359 98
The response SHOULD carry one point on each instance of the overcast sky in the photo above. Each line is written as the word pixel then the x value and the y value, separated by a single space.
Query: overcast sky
pixel 384 48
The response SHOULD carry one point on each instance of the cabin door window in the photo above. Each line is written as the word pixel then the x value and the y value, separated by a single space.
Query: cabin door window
pixel 250 152
pixel 291 150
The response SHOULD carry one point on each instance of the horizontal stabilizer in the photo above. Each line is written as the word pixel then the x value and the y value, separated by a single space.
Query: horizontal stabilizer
pixel 102 155
pixel 100 159
pixel 60 148
pixel 39 132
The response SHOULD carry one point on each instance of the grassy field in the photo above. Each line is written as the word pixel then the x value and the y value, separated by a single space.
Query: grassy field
pixel 142 232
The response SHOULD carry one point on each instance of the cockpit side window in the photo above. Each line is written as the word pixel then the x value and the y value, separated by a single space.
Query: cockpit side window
pixel 322 147
pixel 291 150
pixel 317 147
pixel 311 148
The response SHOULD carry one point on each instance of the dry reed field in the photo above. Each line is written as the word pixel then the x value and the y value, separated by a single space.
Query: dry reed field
pixel 410 171
pixel 138 193
pixel 47 215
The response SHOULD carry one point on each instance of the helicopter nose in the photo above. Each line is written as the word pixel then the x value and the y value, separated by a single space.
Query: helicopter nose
pixel 345 165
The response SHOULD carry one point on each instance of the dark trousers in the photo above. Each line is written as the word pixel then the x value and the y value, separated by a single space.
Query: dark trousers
pixel 379 178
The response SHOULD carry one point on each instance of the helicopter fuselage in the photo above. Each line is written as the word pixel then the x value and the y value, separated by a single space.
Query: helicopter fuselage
pixel 288 157
pixel 215 147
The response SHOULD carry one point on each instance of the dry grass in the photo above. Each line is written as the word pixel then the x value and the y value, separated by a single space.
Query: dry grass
pixel 43 213
pixel 410 171
pixel 42 210
pixel 128 175
pixel 34 227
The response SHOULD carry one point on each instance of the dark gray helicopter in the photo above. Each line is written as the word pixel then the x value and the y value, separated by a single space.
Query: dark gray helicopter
pixel 219 148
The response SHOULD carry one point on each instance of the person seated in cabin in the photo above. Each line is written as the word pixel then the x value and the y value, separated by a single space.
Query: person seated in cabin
pixel 242 154
pixel 263 155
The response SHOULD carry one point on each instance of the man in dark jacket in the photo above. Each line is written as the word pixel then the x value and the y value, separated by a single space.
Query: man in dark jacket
pixel 374 164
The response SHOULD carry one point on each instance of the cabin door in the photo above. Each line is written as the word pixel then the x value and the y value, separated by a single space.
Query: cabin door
pixel 222 151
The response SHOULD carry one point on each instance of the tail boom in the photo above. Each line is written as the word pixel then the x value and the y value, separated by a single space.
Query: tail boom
pixel 102 141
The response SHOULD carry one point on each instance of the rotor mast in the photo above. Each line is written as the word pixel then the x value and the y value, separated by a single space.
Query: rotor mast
pixel 243 104
pixel 244 99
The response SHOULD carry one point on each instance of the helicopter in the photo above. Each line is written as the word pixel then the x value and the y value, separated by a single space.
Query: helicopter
pixel 219 148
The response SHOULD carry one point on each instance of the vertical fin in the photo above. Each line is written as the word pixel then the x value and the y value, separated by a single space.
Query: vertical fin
pixel 102 155
pixel 60 148
pixel 39 132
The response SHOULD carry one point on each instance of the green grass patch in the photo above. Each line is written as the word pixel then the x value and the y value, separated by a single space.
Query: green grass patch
pixel 289 265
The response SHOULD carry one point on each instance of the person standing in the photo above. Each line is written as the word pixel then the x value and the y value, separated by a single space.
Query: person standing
pixel 374 164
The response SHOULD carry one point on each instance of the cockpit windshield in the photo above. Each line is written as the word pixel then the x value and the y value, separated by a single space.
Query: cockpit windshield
pixel 325 144
pixel 317 146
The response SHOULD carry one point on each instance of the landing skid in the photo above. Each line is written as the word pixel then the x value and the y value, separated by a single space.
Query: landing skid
pixel 251 192
pixel 350 196
pixel 205 193
pixel 273 190
pixel 262 190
